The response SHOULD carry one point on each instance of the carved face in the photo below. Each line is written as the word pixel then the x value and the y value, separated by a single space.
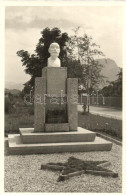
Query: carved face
pixel 54 49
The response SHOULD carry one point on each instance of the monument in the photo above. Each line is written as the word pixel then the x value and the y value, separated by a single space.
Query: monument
pixel 53 60
pixel 55 116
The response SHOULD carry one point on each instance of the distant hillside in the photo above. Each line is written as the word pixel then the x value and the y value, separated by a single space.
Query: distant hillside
pixel 13 85
pixel 13 91
pixel 110 69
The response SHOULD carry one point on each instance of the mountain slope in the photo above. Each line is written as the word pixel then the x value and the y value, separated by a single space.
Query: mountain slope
pixel 110 71
pixel 110 68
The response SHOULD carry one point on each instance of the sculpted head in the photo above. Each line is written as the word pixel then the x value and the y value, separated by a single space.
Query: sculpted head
pixel 54 50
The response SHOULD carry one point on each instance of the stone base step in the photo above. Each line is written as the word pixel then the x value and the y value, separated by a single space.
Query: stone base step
pixel 81 135
pixel 17 147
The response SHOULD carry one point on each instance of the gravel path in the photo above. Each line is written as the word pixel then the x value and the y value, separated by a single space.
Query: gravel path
pixel 23 174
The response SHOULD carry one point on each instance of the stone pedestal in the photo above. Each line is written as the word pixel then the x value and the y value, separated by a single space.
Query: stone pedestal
pixel 56 80
pixel 56 119
pixel 72 94
pixel 59 101
pixel 39 105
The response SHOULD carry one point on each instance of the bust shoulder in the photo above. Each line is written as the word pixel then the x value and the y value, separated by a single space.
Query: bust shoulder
pixel 54 62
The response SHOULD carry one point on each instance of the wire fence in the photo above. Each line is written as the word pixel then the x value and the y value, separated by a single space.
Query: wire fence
pixel 115 102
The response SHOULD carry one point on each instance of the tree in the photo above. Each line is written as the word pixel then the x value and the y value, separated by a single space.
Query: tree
pixel 27 88
pixel 83 49
pixel 35 62
pixel 76 54
pixel 114 89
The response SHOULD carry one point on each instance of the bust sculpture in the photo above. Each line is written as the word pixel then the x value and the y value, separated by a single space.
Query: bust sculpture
pixel 53 60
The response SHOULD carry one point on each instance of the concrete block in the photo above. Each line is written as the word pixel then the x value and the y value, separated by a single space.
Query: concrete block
pixel 39 103
pixel 56 80
pixel 56 103
pixel 56 127
pixel 72 99
pixel 44 72
pixel 81 135
pixel 56 116
pixel 17 147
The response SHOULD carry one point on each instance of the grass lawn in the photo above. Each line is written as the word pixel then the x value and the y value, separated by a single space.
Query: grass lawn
pixel 24 117
pixel 101 124
pixel 18 119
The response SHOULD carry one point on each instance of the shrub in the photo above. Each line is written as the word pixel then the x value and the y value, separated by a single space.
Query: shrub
pixel 31 110
pixel 7 106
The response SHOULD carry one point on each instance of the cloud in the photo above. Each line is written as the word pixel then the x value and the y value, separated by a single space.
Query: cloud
pixel 24 24
pixel 26 40
pixel 22 18
pixel 19 24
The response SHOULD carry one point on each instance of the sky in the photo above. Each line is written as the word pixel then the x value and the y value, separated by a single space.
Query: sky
pixel 24 24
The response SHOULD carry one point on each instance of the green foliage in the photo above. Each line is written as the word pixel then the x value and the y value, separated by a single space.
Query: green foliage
pixel 7 105
pixel 48 37
pixel 31 110
pixel 77 54
pixel 35 62
pixel 85 51
pixel 27 88
pixel 20 117
pixel 114 89
pixel 74 68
